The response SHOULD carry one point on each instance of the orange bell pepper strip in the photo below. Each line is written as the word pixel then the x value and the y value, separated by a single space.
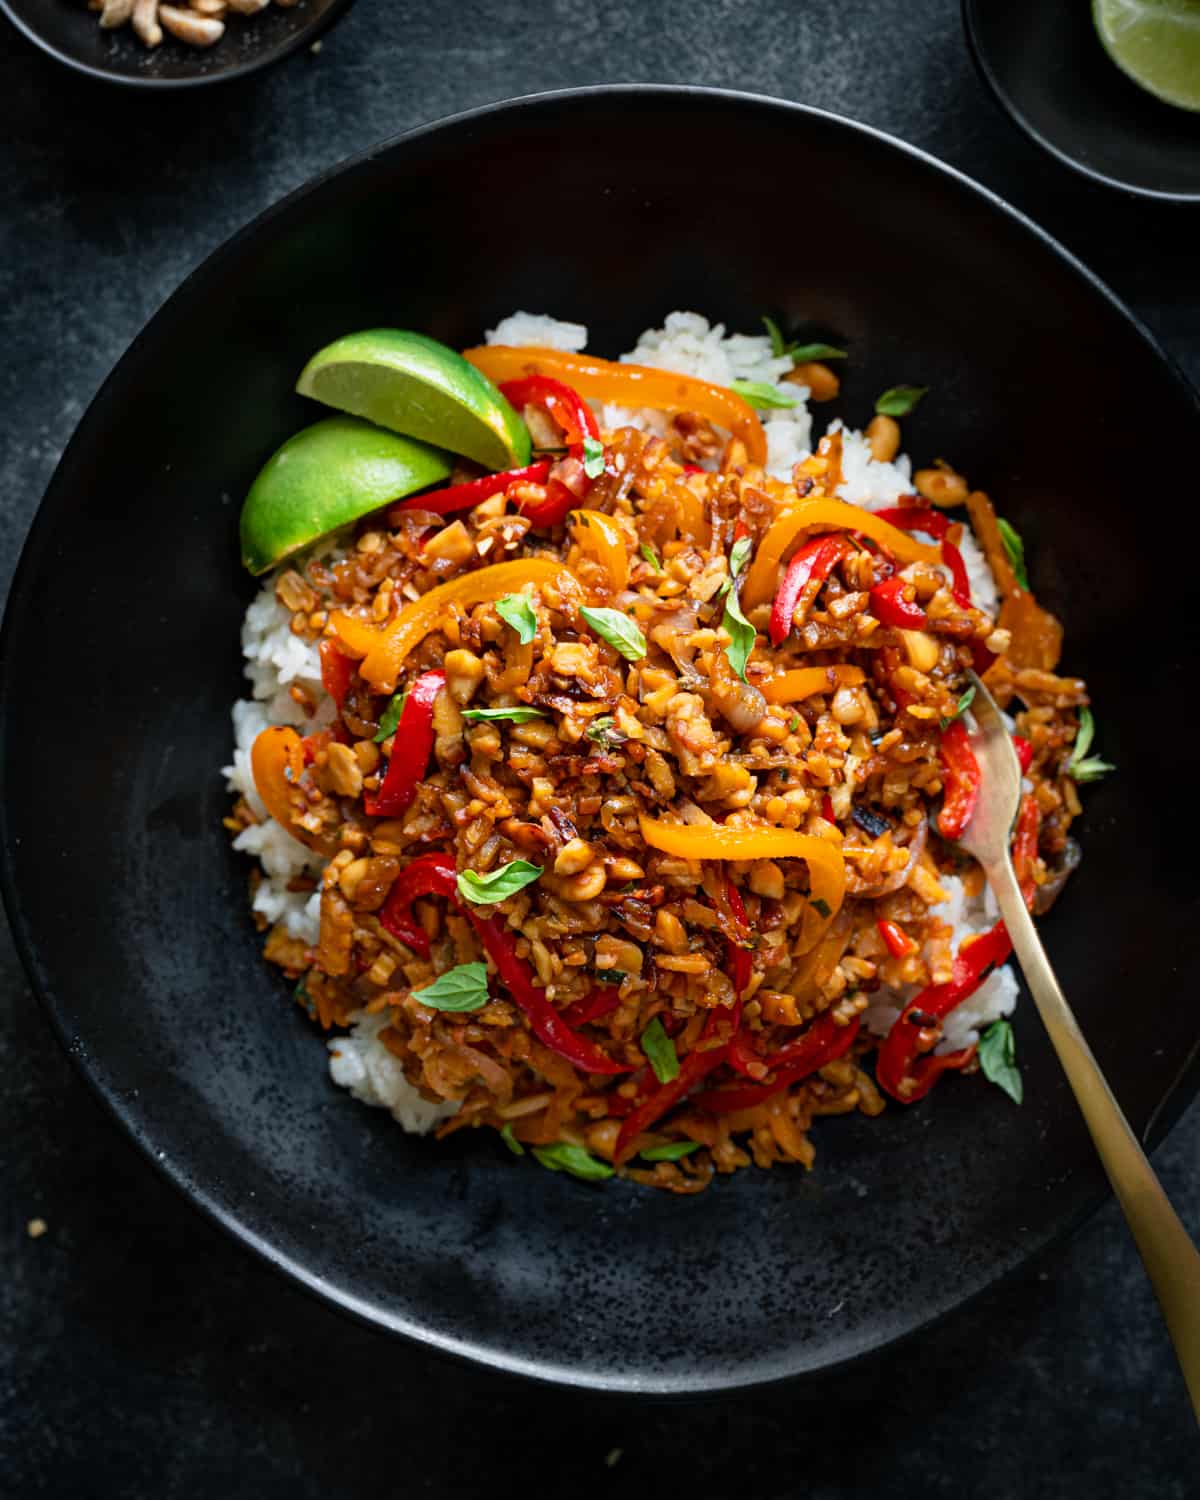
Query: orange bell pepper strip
pixel 277 763
pixel 600 537
pixel 383 649
pixel 803 682
pixel 826 867
pixel 628 385
pixel 830 515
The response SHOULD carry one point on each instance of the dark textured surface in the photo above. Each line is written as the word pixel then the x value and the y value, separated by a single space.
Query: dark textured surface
pixel 149 1356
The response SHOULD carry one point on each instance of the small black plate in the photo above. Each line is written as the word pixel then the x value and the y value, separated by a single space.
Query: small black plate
pixel 68 31
pixel 1045 64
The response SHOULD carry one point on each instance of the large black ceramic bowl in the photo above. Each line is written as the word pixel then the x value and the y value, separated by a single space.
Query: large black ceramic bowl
pixel 120 659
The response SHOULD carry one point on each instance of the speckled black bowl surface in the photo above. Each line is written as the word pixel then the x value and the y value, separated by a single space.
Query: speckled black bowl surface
pixel 120 658
pixel 68 31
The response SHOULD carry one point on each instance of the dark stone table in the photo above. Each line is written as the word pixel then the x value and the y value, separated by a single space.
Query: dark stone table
pixel 141 1353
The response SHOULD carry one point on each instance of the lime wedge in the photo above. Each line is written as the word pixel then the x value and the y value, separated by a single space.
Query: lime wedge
pixel 1157 42
pixel 413 384
pixel 326 476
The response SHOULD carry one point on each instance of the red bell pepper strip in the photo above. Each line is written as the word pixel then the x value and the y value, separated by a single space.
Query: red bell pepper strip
pixel 824 1042
pixel 741 962
pixel 890 607
pixel 464 496
pixel 934 524
pixel 601 1002
pixel 695 1066
pixel 436 875
pixel 900 1070
pixel 1024 752
pixel 337 671
pixel 960 772
pixel 827 811
pixel 427 875
pixel 1025 846
pixel 546 1023
pixel 411 747
pixel 816 559
pixel 567 483
pixel 898 942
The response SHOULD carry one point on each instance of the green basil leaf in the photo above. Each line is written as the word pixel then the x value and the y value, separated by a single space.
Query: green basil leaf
pixel 498 884
pixel 611 976
pixel 1085 734
pixel 802 353
pixel 779 347
pixel 900 400
pixel 960 707
pixel 593 457
pixel 660 1052
pixel 461 988
pixel 739 555
pixel 1092 769
pixel 820 906
pixel 758 393
pixel 651 556
pixel 564 1157
pixel 742 635
pixel 391 716
pixel 669 1151
pixel 618 630
pixel 519 714
pixel 1014 547
pixel 998 1059
pixel 517 610
pixel 510 1140
pixel 1082 766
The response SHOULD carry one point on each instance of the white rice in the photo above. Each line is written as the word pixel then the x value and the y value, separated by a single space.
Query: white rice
pixel 275 659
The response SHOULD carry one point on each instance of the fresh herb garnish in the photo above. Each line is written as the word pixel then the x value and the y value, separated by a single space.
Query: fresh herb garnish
pixel 593 457
pixel 604 732
pixel 998 1060
pixel 739 555
pixel 669 1151
pixel 565 1157
pixel 391 716
pixel 462 988
pixel 618 630
pixel 520 713
pixel 611 976
pixel 759 393
pixel 742 635
pixel 793 723
pixel 510 1140
pixel 800 353
pixel 820 906
pixel 651 556
pixel 1082 766
pixel 498 884
pixel 960 707
pixel 660 1052
pixel 302 997
pixel 1014 549
pixel 517 610
pixel 899 400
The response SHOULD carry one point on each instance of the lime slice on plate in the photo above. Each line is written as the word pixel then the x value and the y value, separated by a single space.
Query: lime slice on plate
pixel 1157 42
pixel 413 384
pixel 326 476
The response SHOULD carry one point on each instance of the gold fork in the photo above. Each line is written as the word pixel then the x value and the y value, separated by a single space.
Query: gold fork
pixel 1171 1260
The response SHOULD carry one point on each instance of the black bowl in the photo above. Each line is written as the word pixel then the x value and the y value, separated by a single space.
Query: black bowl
pixel 1047 67
pixel 68 31
pixel 120 660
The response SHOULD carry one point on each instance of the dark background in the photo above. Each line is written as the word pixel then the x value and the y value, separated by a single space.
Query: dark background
pixel 141 1353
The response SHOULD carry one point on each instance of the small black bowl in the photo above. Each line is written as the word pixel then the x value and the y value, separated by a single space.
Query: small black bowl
pixel 1047 67
pixel 68 31
pixel 119 661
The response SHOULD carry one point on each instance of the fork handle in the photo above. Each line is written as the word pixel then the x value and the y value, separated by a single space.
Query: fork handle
pixel 1171 1259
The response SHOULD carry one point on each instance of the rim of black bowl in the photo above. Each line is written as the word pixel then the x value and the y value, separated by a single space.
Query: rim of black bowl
pixel 1005 101
pixel 1184 1086
pixel 305 36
